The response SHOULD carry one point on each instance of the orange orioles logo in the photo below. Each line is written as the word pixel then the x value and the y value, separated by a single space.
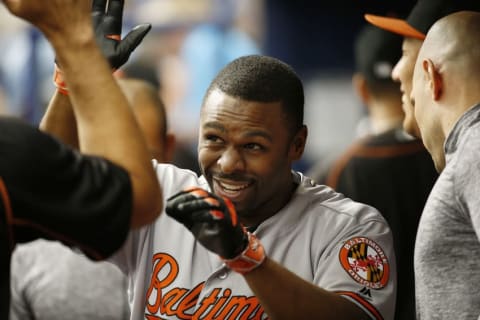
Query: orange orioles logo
pixel 365 261
pixel 184 303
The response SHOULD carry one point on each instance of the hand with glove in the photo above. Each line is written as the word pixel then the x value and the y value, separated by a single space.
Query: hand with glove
pixel 214 223
pixel 107 22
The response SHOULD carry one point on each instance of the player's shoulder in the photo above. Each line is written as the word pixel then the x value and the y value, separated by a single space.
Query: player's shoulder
pixel 24 134
pixel 324 201
pixel 19 139
pixel 9 124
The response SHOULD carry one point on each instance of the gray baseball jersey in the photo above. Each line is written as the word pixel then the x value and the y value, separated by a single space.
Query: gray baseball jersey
pixel 447 250
pixel 50 281
pixel 323 237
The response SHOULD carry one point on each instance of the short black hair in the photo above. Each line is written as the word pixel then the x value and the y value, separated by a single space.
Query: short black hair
pixel 263 79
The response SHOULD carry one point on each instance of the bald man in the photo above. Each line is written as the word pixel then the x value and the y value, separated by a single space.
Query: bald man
pixel 49 280
pixel 387 169
pixel 446 99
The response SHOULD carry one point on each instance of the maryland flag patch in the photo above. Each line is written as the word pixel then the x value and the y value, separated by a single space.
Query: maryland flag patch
pixel 365 261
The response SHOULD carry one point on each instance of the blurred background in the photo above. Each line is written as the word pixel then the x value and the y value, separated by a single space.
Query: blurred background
pixel 192 40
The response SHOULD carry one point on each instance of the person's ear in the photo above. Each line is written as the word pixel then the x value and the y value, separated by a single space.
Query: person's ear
pixel 298 144
pixel 434 78
pixel 361 88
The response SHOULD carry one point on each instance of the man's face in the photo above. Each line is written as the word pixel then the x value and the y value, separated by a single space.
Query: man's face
pixel 245 153
pixel 152 129
pixel 403 73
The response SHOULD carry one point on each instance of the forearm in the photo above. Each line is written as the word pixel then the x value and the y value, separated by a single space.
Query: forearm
pixel 284 295
pixel 106 125
pixel 93 101
pixel 59 120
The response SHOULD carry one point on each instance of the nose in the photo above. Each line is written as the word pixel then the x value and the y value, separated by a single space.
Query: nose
pixel 231 161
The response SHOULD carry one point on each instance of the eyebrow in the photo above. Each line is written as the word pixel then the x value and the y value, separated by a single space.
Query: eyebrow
pixel 251 133
pixel 214 125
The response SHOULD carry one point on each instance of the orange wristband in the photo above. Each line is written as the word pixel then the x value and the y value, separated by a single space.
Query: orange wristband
pixel 252 257
pixel 114 37
pixel 58 74
pixel 59 81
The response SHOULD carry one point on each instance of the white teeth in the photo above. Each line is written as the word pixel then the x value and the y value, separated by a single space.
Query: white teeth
pixel 231 187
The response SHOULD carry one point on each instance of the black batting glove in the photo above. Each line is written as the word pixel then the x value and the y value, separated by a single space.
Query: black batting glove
pixel 214 223
pixel 212 220
pixel 107 23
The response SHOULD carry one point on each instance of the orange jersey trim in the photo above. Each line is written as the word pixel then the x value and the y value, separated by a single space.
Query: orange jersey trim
pixel 8 213
pixel 359 149
pixel 368 306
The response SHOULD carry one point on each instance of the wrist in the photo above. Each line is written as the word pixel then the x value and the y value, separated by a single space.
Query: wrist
pixel 73 37
pixel 69 52
pixel 59 81
pixel 250 258
pixel 72 65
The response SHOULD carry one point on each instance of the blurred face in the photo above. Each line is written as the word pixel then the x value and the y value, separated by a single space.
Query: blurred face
pixel 403 73
pixel 152 129
pixel 245 153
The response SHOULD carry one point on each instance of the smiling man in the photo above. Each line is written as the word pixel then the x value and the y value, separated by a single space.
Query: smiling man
pixel 256 239
pixel 240 152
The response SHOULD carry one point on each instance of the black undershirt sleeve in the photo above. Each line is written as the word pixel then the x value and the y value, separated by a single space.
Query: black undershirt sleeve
pixel 57 193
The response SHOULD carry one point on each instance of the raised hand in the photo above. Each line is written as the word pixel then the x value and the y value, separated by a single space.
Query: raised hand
pixel 107 23
pixel 214 223
pixel 106 19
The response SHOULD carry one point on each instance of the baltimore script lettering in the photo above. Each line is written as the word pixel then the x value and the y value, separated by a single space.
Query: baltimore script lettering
pixel 183 303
